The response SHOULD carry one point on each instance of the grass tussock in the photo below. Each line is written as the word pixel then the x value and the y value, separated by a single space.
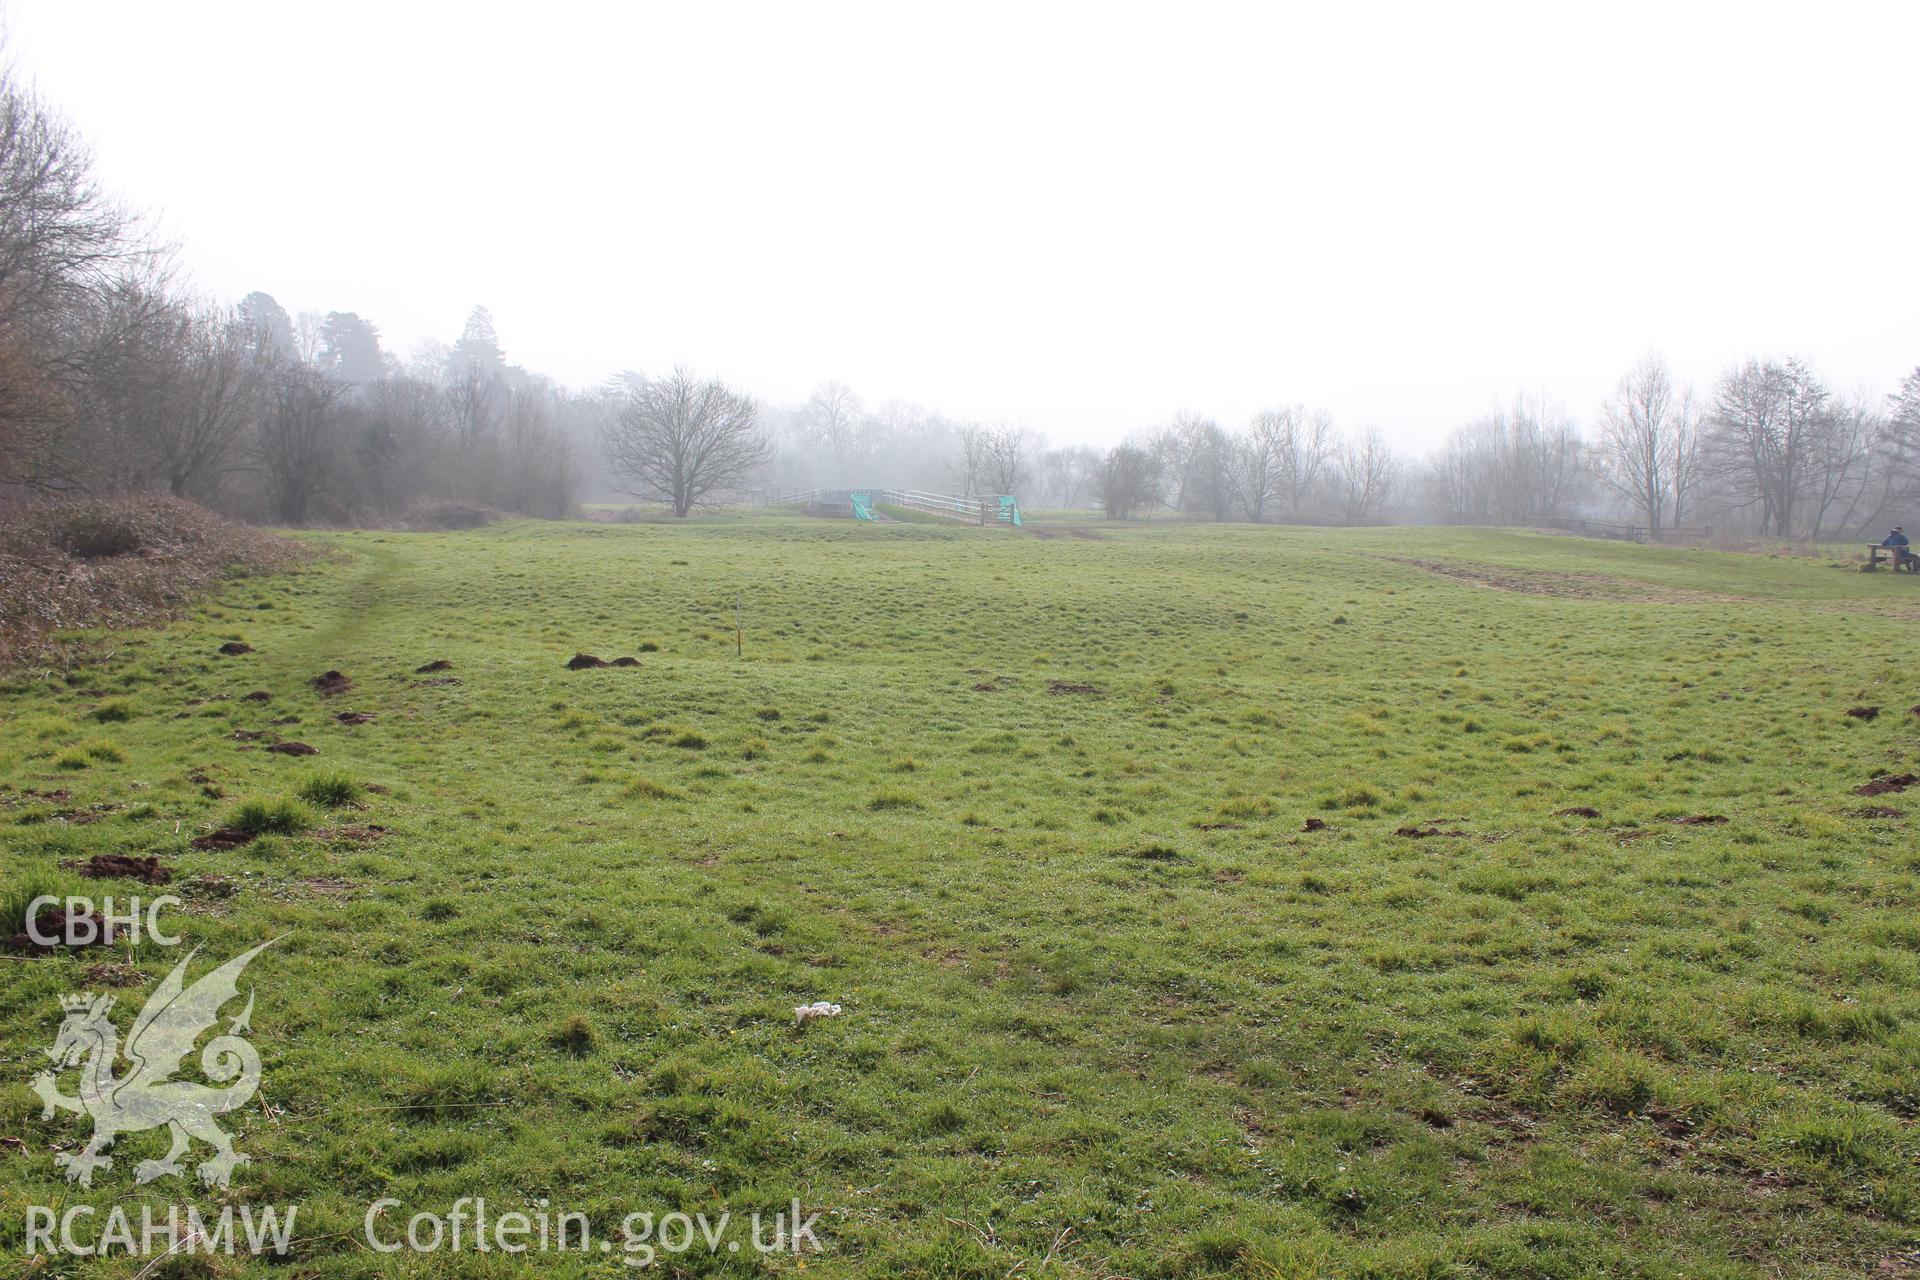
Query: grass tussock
pixel 279 816
pixel 330 789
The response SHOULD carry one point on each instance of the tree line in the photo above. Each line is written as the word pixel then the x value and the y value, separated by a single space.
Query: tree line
pixel 115 379
pixel 1770 450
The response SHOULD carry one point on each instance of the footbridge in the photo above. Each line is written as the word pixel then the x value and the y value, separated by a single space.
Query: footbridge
pixel 881 505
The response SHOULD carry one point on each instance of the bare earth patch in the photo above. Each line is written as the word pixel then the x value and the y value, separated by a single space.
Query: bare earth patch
pixel 222 839
pixel 1566 586
pixel 1068 686
pixel 357 834
pixel 121 866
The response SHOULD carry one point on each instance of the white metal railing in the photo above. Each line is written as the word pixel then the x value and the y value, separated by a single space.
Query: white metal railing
pixel 946 505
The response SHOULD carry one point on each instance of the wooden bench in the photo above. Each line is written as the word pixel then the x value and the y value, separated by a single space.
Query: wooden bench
pixel 1897 558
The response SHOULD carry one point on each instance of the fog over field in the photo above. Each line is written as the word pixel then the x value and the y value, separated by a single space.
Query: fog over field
pixel 1082 218
pixel 1644 268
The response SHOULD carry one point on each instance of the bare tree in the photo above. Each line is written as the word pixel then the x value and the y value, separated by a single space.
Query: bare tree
pixel 216 398
pixel 1130 482
pixel 537 456
pixel 61 238
pixel 1004 466
pixel 476 399
pixel 1253 468
pixel 63 248
pixel 299 440
pixel 1649 444
pixel 528 441
pixel 1070 474
pixel 399 448
pixel 970 462
pixel 33 414
pixel 120 354
pixel 1192 454
pixel 1765 434
pixel 309 336
pixel 835 418
pixel 1894 457
pixel 1302 442
pixel 680 439
pixel 1840 476
pixel 1519 466
pixel 1365 478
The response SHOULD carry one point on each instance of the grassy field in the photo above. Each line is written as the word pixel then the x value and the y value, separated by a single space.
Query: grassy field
pixel 1033 810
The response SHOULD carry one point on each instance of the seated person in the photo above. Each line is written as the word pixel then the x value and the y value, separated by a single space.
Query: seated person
pixel 1897 540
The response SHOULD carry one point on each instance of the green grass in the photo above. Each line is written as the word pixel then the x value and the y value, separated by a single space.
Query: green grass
pixel 330 789
pixel 114 710
pixel 1031 809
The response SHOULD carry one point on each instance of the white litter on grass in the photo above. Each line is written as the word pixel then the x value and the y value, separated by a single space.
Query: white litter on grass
pixel 805 1013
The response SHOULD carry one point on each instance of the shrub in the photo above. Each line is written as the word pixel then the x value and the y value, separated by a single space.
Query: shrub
pixel 438 514
pixel 96 530
pixel 69 564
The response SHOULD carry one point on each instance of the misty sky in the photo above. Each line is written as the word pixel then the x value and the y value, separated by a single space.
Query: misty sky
pixel 1083 217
